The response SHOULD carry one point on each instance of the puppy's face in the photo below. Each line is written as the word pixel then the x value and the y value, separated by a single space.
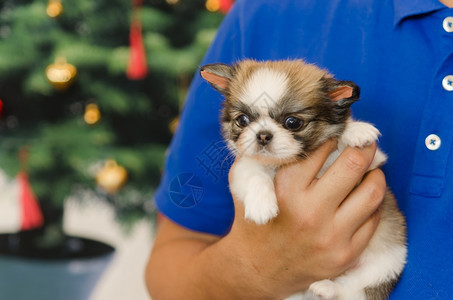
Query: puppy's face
pixel 279 111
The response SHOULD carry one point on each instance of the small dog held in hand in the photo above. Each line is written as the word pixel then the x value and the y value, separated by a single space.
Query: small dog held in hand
pixel 279 112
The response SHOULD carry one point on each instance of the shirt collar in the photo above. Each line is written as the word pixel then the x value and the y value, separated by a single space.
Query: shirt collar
pixel 405 8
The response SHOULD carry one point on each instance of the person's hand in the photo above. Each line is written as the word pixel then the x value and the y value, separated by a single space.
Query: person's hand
pixel 322 227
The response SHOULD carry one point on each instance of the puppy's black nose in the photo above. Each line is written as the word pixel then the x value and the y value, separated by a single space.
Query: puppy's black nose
pixel 264 137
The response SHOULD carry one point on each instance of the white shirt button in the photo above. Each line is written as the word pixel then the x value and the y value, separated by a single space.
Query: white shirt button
pixel 448 24
pixel 432 142
pixel 447 83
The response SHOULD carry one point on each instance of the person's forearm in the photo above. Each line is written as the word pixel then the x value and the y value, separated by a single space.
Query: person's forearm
pixel 185 269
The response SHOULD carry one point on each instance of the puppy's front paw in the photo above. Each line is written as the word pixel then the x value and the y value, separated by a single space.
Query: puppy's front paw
pixel 360 134
pixel 260 206
pixel 325 289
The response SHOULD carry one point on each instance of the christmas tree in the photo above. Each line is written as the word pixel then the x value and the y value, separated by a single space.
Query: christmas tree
pixel 91 111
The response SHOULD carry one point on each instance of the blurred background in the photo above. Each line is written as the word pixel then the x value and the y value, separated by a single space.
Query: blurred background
pixel 90 93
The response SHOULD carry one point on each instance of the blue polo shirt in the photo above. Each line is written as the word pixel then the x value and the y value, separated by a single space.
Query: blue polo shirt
pixel 401 55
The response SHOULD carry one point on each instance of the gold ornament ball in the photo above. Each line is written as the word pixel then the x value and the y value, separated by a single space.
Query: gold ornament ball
pixel 92 114
pixel 212 5
pixel 54 8
pixel 61 74
pixel 112 177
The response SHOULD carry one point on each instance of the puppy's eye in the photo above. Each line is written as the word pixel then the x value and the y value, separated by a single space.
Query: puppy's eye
pixel 293 123
pixel 242 120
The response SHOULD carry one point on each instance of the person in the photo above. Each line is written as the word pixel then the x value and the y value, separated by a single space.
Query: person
pixel 400 53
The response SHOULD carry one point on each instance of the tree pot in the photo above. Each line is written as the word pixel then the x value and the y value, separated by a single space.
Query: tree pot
pixel 68 271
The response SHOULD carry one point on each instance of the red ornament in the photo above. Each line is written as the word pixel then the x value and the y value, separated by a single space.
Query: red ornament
pixel 137 68
pixel 31 212
pixel 225 5
pixel 1 107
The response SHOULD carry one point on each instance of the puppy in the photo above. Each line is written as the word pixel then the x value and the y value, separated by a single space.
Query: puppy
pixel 279 112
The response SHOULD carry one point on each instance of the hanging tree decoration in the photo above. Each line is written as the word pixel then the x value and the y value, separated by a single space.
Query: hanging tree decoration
pixel 92 114
pixel 137 68
pixel 112 177
pixel 31 214
pixel 61 74
pixel 225 5
pixel 54 8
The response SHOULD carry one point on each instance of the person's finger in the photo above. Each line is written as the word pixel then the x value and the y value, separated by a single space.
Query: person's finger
pixel 361 238
pixel 304 171
pixel 363 201
pixel 343 175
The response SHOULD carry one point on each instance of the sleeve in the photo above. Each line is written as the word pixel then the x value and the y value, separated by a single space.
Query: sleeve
pixel 194 187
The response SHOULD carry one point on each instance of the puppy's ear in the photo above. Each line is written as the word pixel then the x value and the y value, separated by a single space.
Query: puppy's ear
pixel 343 93
pixel 218 75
